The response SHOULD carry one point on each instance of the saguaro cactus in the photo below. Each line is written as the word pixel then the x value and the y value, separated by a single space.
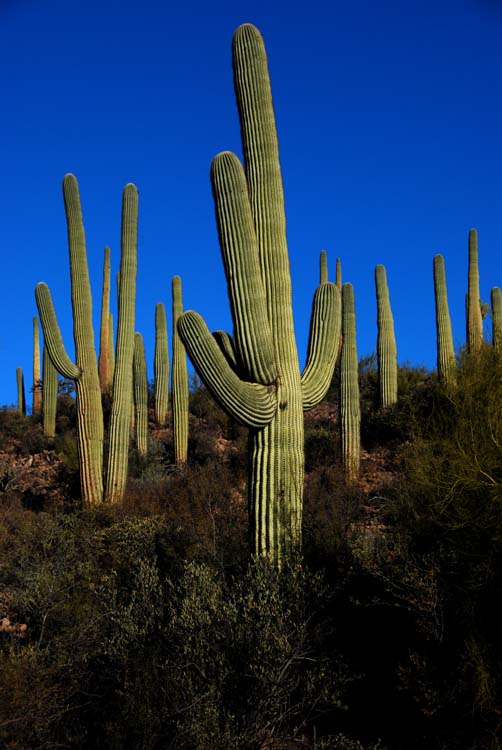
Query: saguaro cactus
pixel 446 362
pixel 140 395
pixel 37 385
pixel 161 366
pixel 474 315
pixel 180 380
pixel 496 300
pixel 386 343
pixel 122 399
pixel 21 397
pixel 338 278
pixel 265 389
pixel 85 370
pixel 105 378
pixel 49 394
pixel 350 409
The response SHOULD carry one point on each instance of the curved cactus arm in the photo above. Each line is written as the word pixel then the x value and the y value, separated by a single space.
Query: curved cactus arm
pixel 251 404
pixel 325 325
pixel 323 267
pixel 239 248
pixel 227 346
pixel 52 334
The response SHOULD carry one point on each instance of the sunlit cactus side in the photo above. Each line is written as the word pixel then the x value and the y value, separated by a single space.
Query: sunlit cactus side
pixel 49 395
pixel 140 395
pixel 21 397
pixel 37 384
pixel 474 314
pixel 266 390
pixel 122 393
pixel 179 387
pixel 85 369
pixel 105 378
pixel 338 276
pixel 496 300
pixel 386 343
pixel 161 366
pixel 350 409
pixel 446 361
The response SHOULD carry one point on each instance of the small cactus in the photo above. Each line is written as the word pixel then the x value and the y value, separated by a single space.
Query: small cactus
pixel 386 343
pixel 179 380
pixel 161 366
pixel 496 300
pixel 21 398
pixel 37 384
pixel 474 332
pixel 446 361
pixel 350 409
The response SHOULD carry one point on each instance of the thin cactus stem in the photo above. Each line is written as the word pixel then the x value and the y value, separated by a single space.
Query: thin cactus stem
pixel 161 366
pixel 496 300
pixel 105 379
pixel 37 383
pixel 21 397
pixel 350 410
pixel 140 395
pixel 474 315
pixel 386 343
pixel 446 361
pixel 179 380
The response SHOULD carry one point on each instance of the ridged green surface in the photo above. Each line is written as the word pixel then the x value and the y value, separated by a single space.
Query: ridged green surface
pixel 496 300
pixel 264 390
pixel 49 395
pixel 474 316
pixel 37 383
pixel 180 380
pixel 323 267
pixel 386 343
pixel 21 398
pixel 104 341
pixel 226 344
pixel 140 395
pixel 161 366
pixel 85 370
pixel 350 409
pixel 446 361
pixel 122 399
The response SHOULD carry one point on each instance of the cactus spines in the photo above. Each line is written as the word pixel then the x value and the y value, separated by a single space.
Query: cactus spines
pixel 84 371
pixel 21 398
pixel 180 380
pixel 496 300
pixel 474 315
pixel 37 385
pixel 446 362
pixel 49 394
pixel 105 378
pixel 161 366
pixel 350 409
pixel 122 399
pixel 265 391
pixel 140 395
pixel 386 343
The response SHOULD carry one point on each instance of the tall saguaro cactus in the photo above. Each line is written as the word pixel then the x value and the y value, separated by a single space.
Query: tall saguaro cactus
pixel 161 366
pixel 105 377
pixel 265 389
pixel 37 385
pixel 446 362
pixel 85 370
pixel 140 395
pixel 180 380
pixel 386 343
pixel 474 315
pixel 350 408
pixel 496 300
pixel 122 396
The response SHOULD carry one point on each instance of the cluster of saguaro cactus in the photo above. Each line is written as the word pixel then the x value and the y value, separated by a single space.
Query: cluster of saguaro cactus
pixel 264 389
pixel 386 343
pixel 161 366
pixel 446 361
pixel 179 387
pixel 350 409
pixel 140 395
pixel 84 371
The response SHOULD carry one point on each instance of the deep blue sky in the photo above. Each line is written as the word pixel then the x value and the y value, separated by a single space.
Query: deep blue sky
pixel 390 128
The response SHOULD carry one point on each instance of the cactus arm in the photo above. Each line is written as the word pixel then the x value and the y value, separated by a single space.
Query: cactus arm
pixel 179 380
pixel 52 334
pixel 104 341
pixel 226 344
pixel 239 248
pixel 496 300
pixel 323 267
pixel 140 395
pixel 324 340
pixel 446 362
pixel 161 366
pixel 251 404
pixel 119 435
pixel 350 409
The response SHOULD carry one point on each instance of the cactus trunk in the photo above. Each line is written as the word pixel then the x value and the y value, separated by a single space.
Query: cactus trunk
pixel 140 395
pixel 21 397
pixel 496 300
pixel 37 385
pixel 180 381
pixel 386 344
pixel 49 395
pixel 105 379
pixel 474 315
pixel 446 362
pixel 350 409
pixel 161 366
